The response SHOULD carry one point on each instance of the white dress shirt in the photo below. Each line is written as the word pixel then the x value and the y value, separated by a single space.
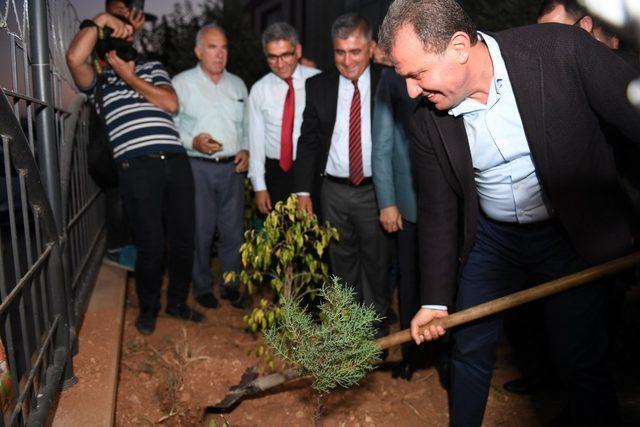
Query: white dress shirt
pixel 338 161
pixel 266 107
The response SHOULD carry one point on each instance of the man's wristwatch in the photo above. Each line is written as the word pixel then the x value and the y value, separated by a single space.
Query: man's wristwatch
pixel 87 23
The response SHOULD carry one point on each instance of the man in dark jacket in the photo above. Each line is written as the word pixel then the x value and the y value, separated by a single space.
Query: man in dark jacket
pixel 515 184
pixel 334 162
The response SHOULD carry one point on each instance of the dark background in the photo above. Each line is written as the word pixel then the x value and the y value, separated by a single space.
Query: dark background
pixel 172 37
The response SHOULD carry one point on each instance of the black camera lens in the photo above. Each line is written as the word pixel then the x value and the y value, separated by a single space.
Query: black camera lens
pixel 124 49
pixel 126 52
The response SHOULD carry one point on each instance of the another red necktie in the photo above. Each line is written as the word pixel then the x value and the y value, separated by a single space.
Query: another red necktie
pixel 355 147
pixel 286 133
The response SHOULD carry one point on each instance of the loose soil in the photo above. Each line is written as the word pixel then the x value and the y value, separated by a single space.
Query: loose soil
pixel 170 377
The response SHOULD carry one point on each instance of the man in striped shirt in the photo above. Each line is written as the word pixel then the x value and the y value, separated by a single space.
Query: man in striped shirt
pixel 136 99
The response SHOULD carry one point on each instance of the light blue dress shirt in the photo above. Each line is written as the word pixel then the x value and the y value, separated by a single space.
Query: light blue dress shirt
pixel 219 109
pixel 506 181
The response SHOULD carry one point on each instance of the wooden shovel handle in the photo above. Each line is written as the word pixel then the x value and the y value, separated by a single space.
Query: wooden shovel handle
pixel 518 298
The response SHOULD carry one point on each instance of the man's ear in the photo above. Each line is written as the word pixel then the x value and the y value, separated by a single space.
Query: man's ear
pixel 298 51
pixel 196 50
pixel 373 45
pixel 615 42
pixel 460 45
pixel 586 23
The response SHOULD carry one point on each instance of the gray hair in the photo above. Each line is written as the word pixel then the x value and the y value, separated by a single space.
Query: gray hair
pixel 279 31
pixel 434 22
pixel 204 29
pixel 347 24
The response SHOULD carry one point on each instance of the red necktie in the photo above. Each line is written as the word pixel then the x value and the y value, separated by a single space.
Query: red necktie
pixel 355 147
pixel 286 133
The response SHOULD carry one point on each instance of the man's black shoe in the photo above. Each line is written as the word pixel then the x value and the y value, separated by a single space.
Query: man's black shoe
pixel 229 293
pixel 528 386
pixel 146 323
pixel 185 313
pixel 404 370
pixel 207 300
pixel 240 302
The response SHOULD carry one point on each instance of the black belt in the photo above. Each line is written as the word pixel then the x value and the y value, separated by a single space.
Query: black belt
pixel 346 181
pixel 216 159
pixel 162 155
pixel 143 158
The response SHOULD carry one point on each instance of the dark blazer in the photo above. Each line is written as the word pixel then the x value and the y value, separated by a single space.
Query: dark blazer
pixel 318 120
pixel 564 82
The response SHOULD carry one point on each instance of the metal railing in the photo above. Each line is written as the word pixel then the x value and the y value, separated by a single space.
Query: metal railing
pixel 52 230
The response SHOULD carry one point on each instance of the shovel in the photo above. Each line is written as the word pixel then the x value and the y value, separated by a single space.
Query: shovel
pixel 251 384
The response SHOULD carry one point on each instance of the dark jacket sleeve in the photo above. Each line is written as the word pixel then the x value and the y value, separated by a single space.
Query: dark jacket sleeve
pixel 437 218
pixel 309 151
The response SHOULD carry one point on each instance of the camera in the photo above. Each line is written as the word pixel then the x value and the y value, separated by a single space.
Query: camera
pixel 106 43
pixel 136 4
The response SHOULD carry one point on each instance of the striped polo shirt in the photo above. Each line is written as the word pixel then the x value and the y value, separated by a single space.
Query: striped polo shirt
pixel 136 127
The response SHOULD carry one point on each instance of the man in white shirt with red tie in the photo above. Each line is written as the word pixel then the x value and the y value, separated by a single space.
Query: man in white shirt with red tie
pixel 332 174
pixel 276 103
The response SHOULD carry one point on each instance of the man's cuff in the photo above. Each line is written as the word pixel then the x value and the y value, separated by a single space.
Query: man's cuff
pixel 258 183
pixel 435 307
pixel 303 193
pixel 384 200
pixel 187 140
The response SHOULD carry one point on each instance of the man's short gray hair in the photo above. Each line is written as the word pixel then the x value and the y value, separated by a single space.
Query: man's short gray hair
pixel 204 29
pixel 279 31
pixel 347 24
pixel 434 22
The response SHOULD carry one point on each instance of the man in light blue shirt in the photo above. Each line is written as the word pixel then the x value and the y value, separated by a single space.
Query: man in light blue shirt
pixel 516 186
pixel 213 128
pixel 506 181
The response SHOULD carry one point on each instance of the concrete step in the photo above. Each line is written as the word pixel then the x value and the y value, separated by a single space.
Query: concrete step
pixel 92 401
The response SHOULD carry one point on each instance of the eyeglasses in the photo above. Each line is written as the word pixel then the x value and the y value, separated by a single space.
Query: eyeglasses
pixel 287 56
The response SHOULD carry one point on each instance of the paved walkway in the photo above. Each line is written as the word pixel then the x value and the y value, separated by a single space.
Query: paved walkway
pixel 91 402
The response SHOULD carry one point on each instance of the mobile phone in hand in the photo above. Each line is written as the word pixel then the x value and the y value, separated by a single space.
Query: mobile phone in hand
pixel 213 141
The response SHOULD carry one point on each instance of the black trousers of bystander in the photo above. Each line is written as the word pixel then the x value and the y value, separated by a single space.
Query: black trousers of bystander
pixel 158 195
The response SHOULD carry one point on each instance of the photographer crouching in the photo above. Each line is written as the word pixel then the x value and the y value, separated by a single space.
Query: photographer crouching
pixel 135 99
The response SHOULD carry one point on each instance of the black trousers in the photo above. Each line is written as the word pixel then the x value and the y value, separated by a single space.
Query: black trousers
pixel 279 182
pixel 408 283
pixel 436 352
pixel 504 259
pixel 118 233
pixel 158 196
pixel 361 257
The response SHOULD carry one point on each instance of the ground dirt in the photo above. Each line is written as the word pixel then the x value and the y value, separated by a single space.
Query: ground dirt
pixel 170 377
